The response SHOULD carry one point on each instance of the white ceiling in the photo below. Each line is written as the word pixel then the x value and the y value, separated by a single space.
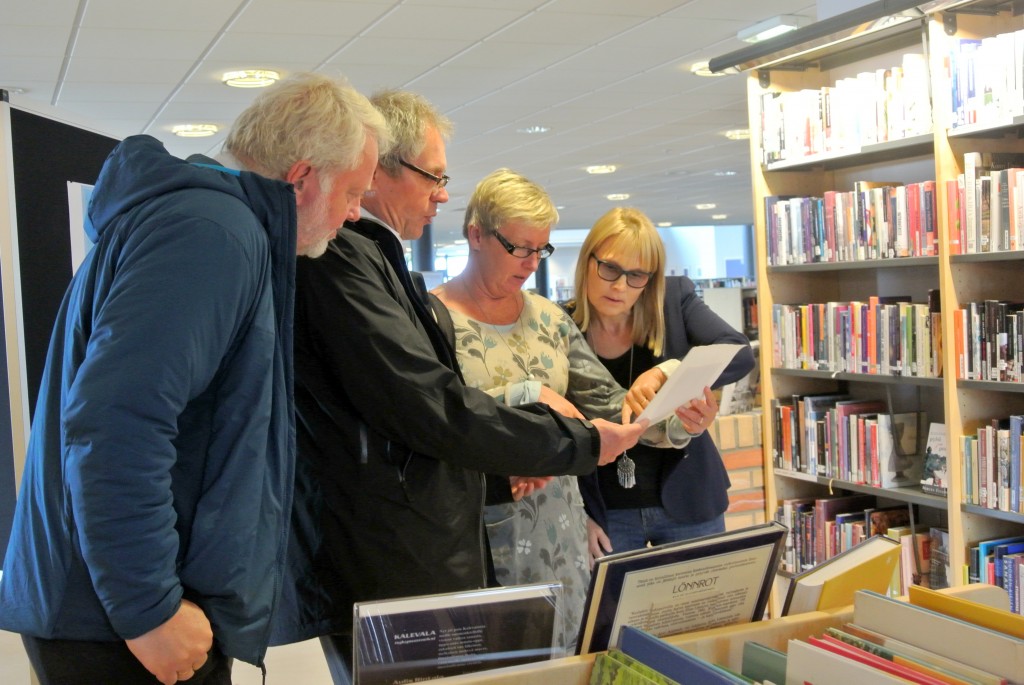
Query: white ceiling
pixel 610 78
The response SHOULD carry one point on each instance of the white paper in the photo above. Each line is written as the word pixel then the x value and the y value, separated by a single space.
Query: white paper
pixel 701 367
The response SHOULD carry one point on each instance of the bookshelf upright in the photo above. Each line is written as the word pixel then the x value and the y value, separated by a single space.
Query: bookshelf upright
pixel 806 268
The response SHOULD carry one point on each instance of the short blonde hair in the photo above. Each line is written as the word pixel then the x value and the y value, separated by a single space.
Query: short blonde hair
pixel 409 116
pixel 306 117
pixel 503 196
pixel 628 231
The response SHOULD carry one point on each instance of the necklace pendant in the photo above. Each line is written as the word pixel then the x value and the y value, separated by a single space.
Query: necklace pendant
pixel 625 468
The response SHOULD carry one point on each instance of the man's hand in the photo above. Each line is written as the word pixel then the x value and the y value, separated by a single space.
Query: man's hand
pixel 523 485
pixel 642 392
pixel 597 541
pixel 615 438
pixel 558 403
pixel 176 648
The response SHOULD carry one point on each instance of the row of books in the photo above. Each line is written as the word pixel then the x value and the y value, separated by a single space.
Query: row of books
pixel 992 465
pixel 871 107
pixel 887 335
pixel 822 527
pixel 932 638
pixel 875 220
pixel 858 441
pixel 986 77
pixel 988 341
pixel 984 204
pixel 999 562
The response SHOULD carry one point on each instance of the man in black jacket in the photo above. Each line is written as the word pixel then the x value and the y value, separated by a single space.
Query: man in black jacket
pixel 392 444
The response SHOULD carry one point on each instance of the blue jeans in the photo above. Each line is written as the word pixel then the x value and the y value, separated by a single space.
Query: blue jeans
pixel 633 528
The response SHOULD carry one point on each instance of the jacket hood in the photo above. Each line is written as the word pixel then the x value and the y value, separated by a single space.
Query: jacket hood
pixel 140 168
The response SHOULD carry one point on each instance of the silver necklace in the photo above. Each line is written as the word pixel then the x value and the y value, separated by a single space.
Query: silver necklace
pixel 625 468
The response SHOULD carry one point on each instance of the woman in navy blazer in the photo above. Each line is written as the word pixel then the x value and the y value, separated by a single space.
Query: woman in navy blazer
pixel 635 318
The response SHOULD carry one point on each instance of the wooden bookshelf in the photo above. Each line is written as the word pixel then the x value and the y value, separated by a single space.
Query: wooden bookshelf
pixel 962 405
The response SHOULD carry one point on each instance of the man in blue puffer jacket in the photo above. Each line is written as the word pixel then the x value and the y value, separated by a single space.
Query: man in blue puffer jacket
pixel 151 524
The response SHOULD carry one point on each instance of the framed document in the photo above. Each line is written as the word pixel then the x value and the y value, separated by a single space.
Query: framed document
pixel 434 636
pixel 679 587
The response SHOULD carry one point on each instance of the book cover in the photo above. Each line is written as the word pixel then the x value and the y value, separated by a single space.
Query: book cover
pixel 973 612
pixel 762 663
pixel 905 650
pixel 706 582
pixel 961 640
pixel 899 460
pixel 672 661
pixel 615 668
pixel 433 636
pixel 935 476
pixel 826 508
pixel 832 584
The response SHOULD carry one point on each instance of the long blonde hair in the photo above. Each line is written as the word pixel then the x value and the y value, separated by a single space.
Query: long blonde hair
pixel 628 231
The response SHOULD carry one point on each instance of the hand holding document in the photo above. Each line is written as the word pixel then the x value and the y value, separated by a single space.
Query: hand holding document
pixel 700 367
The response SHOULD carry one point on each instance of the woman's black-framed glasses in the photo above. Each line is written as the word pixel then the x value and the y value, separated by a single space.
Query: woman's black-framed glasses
pixel 609 271
pixel 439 181
pixel 522 252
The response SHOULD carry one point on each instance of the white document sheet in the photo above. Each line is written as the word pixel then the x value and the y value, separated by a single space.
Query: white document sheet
pixel 701 367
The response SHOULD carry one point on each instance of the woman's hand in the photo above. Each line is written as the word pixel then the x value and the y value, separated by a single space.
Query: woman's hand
pixel 642 392
pixel 597 541
pixel 527 485
pixel 698 414
pixel 559 403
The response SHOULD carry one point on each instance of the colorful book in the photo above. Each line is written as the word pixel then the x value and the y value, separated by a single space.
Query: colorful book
pixel 673 662
pixel 974 612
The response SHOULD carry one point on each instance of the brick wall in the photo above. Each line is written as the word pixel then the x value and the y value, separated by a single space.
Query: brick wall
pixel 738 438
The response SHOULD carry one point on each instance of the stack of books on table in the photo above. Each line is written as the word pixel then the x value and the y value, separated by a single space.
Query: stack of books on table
pixel 932 638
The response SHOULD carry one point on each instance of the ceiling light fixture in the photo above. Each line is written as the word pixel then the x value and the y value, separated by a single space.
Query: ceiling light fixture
pixel 719 217
pixel 616 197
pixel 737 134
pixel 194 130
pixel 706 205
pixel 701 69
pixel 533 129
pixel 727 173
pixel 770 28
pixel 601 169
pixel 664 224
pixel 250 78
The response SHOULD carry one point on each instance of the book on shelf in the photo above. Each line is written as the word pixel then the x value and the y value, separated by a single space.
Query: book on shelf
pixel 915 555
pixel 678 587
pixel 935 476
pixel 963 641
pixel 908 671
pixel 674 662
pixel 810 663
pixel 899 463
pixel 940 573
pixel 832 583
pixel 825 510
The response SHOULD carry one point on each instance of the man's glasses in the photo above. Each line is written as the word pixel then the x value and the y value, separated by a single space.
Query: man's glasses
pixel 439 181
pixel 523 252
pixel 609 271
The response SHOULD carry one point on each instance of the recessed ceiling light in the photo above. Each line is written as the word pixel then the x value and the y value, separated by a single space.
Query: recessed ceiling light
pixel 533 129
pixel 719 217
pixel 615 197
pixel 706 205
pixel 737 134
pixel 559 206
pixel 725 173
pixel 701 69
pixel 460 241
pixel 194 130
pixel 664 224
pixel 250 78
pixel 601 169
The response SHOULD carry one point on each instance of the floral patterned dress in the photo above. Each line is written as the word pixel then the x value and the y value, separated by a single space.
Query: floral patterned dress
pixel 542 537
